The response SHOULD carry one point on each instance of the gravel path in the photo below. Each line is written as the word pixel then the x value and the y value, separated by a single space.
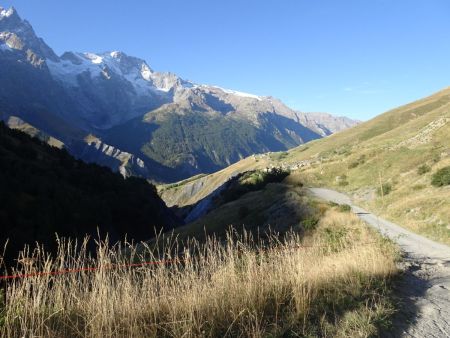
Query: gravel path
pixel 425 291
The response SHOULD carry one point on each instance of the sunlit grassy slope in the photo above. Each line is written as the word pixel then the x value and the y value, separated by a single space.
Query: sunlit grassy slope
pixel 192 190
pixel 332 281
pixel 386 151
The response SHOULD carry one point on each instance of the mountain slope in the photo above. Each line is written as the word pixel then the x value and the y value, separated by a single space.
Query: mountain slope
pixel 168 127
pixel 397 152
pixel 43 191
pixel 325 124
pixel 386 152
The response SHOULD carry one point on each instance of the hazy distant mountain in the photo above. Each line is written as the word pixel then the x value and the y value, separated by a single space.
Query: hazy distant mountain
pixel 326 124
pixel 113 109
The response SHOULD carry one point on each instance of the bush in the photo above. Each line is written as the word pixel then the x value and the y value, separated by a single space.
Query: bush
pixel 423 169
pixel 360 160
pixel 353 165
pixel 441 177
pixel 304 148
pixel 385 189
pixel 283 155
pixel 250 181
pixel 343 183
pixel 436 158
pixel 310 223
pixel 345 208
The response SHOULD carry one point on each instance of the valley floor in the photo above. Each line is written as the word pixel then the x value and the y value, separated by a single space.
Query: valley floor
pixel 425 290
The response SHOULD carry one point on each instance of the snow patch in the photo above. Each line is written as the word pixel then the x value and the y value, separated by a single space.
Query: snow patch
pixel 140 163
pixel 67 72
pixel 146 72
pixel 96 59
pixel 237 93
pixel 115 54
pixel 7 12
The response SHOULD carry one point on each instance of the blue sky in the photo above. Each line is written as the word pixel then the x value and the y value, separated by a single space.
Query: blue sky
pixel 356 58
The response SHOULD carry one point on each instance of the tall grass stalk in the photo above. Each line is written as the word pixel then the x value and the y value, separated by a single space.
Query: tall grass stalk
pixel 243 286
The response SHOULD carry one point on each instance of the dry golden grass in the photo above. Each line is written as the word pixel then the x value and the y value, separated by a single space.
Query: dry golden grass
pixel 332 283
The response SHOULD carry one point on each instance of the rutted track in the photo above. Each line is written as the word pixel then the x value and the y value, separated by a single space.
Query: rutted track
pixel 425 290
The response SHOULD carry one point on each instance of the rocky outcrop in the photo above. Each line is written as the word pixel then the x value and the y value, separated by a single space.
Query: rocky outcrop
pixel 95 150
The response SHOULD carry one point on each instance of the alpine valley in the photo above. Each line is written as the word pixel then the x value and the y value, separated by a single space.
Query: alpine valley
pixel 115 110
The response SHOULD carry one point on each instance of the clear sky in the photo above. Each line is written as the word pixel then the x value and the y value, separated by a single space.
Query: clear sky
pixel 349 57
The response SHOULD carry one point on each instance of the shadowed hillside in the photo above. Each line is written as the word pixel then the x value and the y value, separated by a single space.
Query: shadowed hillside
pixel 43 191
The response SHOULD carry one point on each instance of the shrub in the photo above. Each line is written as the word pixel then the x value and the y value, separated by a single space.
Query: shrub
pixel 279 156
pixel 250 181
pixel 436 158
pixel 283 155
pixel 310 223
pixel 360 160
pixel 353 165
pixel 335 237
pixel 345 208
pixel 423 169
pixel 343 183
pixel 385 189
pixel 343 151
pixel 441 177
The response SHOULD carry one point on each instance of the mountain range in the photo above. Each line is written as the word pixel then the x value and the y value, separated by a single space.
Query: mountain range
pixel 115 110
pixel 386 164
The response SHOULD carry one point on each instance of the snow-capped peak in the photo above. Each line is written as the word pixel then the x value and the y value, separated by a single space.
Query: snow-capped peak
pixel 115 54
pixel 96 59
pixel 104 65
pixel 7 12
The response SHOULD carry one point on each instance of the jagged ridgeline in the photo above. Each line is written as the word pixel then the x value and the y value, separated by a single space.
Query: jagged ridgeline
pixel 43 191
pixel 114 109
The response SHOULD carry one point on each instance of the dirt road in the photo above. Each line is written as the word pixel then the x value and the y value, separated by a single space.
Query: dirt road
pixel 425 291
